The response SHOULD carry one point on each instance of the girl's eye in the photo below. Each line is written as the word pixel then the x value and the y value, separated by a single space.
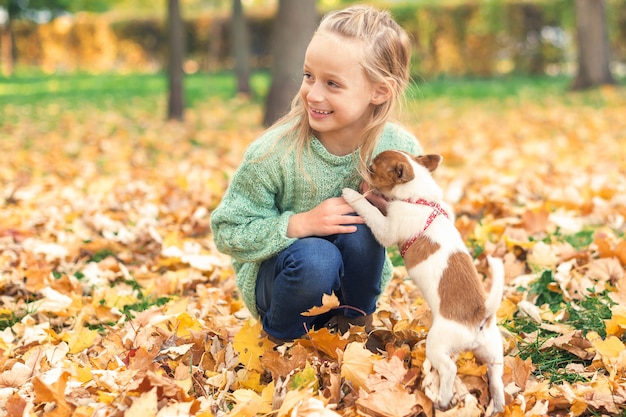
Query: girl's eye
pixel 307 75
pixel 333 84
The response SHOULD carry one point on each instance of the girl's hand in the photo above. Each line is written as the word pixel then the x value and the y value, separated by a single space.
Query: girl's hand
pixel 330 217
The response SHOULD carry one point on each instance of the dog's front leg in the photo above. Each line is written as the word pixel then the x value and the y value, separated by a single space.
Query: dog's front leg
pixel 439 356
pixel 376 221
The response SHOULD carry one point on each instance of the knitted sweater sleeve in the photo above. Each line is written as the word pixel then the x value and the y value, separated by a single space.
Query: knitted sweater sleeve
pixel 247 224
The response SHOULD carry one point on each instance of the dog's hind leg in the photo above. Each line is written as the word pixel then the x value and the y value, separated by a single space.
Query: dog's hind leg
pixel 496 386
pixel 490 353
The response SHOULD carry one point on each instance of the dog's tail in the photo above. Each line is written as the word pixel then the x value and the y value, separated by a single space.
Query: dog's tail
pixel 497 286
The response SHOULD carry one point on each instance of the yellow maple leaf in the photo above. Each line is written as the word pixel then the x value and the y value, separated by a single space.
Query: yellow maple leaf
pixel 185 323
pixel 329 302
pixel 251 379
pixel 250 345
pixel 268 392
pixel 506 310
pixel 608 349
pixel 357 364
pixel 82 373
pixel 616 325
pixel 81 339
pixel 467 365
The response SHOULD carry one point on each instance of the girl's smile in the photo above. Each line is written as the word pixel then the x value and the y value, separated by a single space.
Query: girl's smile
pixel 319 114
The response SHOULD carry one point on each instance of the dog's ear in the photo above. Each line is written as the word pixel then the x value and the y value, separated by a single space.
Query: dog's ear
pixel 403 171
pixel 431 161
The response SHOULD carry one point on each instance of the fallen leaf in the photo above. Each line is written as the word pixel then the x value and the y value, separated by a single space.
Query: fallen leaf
pixel 144 406
pixel 616 325
pixel 282 364
pixel 357 364
pixel 329 302
pixel 394 401
pixel 325 341
pixel 251 346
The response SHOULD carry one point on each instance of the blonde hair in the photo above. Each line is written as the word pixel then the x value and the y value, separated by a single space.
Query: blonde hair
pixel 386 59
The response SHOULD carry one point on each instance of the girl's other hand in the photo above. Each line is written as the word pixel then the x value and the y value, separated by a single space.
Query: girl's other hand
pixel 330 217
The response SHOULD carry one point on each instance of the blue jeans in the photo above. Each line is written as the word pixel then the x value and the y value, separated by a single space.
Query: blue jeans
pixel 350 265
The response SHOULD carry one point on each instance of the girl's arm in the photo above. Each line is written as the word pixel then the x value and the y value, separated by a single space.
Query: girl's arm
pixel 247 225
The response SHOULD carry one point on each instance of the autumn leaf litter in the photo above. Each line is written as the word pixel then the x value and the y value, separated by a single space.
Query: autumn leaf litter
pixel 115 301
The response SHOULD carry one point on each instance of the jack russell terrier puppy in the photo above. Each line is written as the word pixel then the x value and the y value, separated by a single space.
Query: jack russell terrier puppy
pixel 436 258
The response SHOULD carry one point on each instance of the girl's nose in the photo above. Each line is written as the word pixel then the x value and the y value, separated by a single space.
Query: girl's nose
pixel 314 94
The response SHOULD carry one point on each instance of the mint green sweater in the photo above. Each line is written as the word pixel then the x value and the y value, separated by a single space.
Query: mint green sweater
pixel 250 223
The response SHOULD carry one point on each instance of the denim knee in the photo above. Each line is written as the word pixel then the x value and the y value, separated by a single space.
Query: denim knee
pixel 296 280
pixel 363 262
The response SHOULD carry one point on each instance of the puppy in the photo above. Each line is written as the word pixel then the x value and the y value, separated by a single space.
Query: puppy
pixel 436 258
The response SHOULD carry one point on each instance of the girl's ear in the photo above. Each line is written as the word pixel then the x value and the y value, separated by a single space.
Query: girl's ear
pixel 382 92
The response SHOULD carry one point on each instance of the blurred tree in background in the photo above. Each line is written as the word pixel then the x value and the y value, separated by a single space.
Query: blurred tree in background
pixel 241 49
pixel 293 28
pixel 592 40
pixel 175 61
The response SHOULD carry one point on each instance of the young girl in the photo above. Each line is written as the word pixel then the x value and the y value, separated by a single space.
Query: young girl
pixel 292 238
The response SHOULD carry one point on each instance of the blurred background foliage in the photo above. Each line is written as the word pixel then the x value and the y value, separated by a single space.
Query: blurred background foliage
pixel 451 37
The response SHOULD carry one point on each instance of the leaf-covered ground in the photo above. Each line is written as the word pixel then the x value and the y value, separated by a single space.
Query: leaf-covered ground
pixel 114 301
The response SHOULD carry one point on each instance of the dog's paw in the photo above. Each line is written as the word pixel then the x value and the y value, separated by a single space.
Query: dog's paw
pixel 430 383
pixel 350 195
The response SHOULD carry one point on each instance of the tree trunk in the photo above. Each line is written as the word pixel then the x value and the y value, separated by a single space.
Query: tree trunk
pixel 593 45
pixel 293 28
pixel 6 49
pixel 241 49
pixel 176 47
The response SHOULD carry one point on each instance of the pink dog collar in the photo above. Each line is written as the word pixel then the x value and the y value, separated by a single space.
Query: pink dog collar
pixel 437 210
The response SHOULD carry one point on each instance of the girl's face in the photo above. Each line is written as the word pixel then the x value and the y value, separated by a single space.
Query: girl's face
pixel 339 99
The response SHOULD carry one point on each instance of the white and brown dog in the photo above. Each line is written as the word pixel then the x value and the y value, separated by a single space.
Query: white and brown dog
pixel 436 258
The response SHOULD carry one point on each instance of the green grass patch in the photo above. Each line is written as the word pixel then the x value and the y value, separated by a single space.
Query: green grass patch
pixel 9 318
pixel 545 290
pixel 110 90
pixel 143 304
pixel 502 88
pixel 588 314
pixel 113 91
pixel 551 363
